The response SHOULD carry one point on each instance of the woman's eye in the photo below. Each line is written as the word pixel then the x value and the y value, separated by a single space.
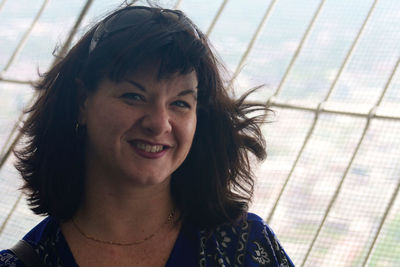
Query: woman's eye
pixel 133 96
pixel 181 104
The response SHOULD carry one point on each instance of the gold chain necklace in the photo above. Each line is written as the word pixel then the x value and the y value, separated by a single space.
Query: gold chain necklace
pixel 170 220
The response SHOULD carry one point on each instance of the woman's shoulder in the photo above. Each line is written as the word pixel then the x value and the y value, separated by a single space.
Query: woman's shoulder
pixel 264 244
pixel 249 242
pixel 7 258
pixel 35 238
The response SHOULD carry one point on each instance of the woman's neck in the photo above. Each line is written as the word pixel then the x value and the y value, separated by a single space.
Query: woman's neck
pixel 124 212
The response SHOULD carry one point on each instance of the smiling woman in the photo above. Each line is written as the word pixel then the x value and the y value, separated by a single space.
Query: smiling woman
pixel 135 150
pixel 140 129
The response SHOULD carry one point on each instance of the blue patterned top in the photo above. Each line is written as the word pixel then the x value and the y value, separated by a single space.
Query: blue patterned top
pixel 250 243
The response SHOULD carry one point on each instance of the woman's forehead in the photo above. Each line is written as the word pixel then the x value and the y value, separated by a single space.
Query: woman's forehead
pixel 152 70
pixel 148 76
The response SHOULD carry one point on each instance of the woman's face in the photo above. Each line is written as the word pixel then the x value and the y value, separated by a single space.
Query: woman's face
pixel 141 128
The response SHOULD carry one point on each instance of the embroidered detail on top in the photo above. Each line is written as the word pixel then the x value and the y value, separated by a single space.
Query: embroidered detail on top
pixel 283 256
pixel 260 255
pixel 47 250
pixel 9 259
pixel 241 251
pixel 224 237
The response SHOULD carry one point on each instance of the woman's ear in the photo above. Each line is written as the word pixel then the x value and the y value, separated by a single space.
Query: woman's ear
pixel 82 96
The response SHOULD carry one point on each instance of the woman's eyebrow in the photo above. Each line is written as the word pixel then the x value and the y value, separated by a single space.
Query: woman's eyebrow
pixel 189 91
pixel 138 85
pixel 182 93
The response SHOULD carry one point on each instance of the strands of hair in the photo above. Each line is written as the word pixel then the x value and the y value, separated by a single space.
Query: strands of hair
pixel 213 185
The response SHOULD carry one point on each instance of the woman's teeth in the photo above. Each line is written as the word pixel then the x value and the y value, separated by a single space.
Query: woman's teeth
pixel 149 148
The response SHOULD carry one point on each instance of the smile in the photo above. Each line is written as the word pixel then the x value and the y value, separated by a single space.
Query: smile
pixel 149 148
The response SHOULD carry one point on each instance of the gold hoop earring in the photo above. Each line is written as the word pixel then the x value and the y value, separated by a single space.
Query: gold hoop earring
pixel 77 128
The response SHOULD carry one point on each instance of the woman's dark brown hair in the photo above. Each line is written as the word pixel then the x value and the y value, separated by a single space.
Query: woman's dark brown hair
pixel 213 185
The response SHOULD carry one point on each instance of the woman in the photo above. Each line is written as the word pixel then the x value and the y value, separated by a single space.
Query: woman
pixel 138 156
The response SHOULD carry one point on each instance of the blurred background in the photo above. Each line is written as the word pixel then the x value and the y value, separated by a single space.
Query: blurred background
pixel 330 185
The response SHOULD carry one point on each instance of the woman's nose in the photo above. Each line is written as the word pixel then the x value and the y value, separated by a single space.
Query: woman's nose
pixel 157 121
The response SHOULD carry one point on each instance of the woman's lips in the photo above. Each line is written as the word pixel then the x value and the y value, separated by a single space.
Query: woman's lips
pixel 148 147
pixel 149 150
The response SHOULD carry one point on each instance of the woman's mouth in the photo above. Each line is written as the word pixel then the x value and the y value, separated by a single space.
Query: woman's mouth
pixel 149 148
